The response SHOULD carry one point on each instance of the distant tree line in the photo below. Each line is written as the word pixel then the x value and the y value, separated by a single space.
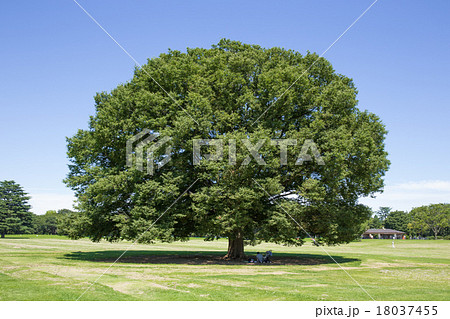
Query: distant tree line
pixel 53 222
pixel 16 217
pixel 425 221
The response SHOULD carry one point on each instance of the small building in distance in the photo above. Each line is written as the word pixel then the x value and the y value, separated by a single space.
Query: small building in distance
pixel 383 234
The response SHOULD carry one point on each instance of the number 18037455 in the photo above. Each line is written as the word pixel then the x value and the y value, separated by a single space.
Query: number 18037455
pixel 407 310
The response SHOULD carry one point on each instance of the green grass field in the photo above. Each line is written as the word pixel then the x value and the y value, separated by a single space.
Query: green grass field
pixel 55 268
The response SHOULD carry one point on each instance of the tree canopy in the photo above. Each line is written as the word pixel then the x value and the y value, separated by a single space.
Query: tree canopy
pixel 238 94
pixel 375 222
pixel 15 215
pixel 383 213
pixel 434 218
pixel 398 220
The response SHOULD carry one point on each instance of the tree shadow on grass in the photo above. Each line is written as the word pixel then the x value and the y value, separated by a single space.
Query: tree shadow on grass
pixel 199 258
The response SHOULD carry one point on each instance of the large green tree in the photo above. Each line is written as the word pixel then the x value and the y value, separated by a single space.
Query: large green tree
pixel 15 215
pixel 434 218
pixel 224 93
pixel 383 213
pixel 398 220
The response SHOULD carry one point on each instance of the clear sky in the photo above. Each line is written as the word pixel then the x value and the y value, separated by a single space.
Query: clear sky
pixel 53 60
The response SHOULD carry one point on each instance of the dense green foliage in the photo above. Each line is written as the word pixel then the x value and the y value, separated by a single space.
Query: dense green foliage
pixel 398 220
pixel 70 223
pixel 375 222
pixel 15 215
pixel 434 218
pixel 52 222
pixel 46 224
pixel 225 90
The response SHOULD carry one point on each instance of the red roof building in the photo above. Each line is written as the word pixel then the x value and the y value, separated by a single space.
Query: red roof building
pixel 383 234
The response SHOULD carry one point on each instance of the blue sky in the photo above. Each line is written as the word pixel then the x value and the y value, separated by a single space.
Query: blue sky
pixel 54 59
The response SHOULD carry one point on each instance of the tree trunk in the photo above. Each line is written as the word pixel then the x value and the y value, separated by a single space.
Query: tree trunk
pixel 3 235
pixel 235 247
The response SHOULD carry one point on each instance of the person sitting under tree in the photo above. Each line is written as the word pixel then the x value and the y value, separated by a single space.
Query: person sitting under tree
pixel 267 256
pixel 259 257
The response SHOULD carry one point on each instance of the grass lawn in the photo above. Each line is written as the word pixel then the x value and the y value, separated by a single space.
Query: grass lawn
pixel 55 268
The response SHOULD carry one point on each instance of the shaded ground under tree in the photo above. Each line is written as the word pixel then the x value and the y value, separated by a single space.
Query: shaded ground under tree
pixel 198 258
